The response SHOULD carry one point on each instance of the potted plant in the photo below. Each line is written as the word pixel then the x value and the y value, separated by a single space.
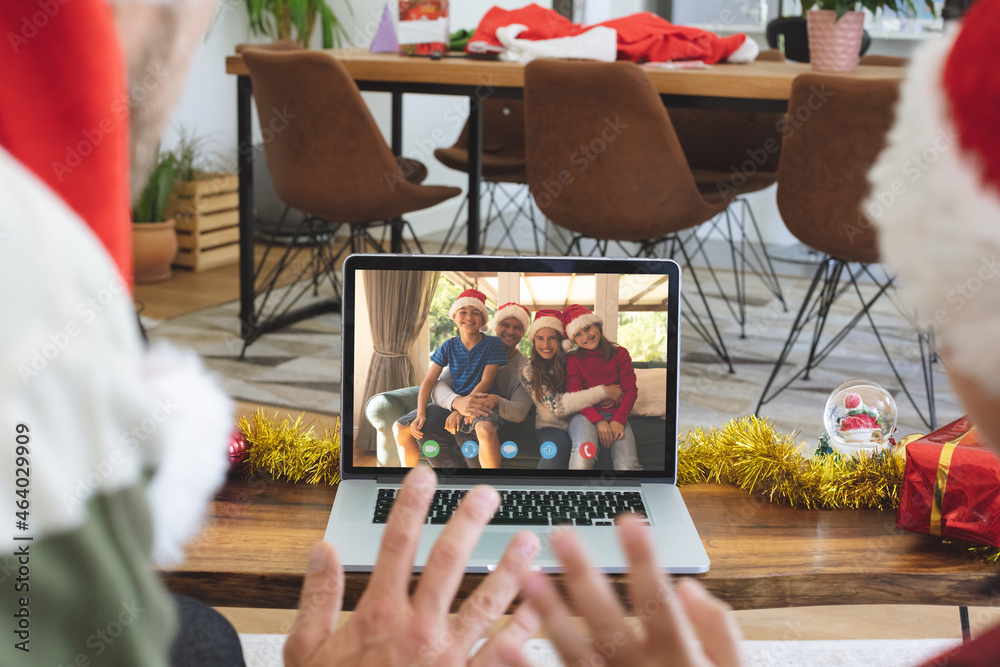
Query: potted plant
pixel 205 207
pixel 154 243
pixel 836 28
pixel 278 18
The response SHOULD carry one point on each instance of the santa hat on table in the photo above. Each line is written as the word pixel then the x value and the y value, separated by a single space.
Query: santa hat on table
pixel 575 318
pixel 509 310
pixel 935 194
pixel 474 298
pixel 546 319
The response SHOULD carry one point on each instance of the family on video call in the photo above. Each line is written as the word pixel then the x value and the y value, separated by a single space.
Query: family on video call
pixel 582 385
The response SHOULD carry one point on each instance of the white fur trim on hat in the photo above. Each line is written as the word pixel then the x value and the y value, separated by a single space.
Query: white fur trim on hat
pixel 581 321
pixel 747 53
pixel 462 301
pixel 509 310
pixel 937 224
pixel 546 322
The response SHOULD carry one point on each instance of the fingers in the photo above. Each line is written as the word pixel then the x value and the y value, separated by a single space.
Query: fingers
pixel 592 595
pixel 394 565
pixel 319 605
pixel 560 627
pixel 415 430
pixel 446 563
pixel 714 623
pixel 504 648
pixel 492 597
pixel 653 595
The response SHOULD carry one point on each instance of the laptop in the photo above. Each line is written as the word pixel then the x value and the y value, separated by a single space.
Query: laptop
pixel 638 301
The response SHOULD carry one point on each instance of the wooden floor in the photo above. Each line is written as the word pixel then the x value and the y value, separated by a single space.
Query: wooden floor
pixel 188 291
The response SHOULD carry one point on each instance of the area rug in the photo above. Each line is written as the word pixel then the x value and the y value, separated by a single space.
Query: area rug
pixel 299 367
pixel 265 651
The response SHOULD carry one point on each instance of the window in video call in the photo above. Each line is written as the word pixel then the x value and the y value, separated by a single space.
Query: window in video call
pixel 595 402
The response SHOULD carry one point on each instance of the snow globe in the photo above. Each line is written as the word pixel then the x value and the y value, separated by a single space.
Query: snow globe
pixel 860 416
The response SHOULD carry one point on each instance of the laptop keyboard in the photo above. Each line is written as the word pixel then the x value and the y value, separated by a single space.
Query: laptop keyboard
pixel 532 508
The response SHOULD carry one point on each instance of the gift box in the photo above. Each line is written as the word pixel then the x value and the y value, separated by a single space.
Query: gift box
pixel 951 486
pixel 423 27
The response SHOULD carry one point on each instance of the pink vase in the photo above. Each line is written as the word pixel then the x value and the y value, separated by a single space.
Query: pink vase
pixel 834 45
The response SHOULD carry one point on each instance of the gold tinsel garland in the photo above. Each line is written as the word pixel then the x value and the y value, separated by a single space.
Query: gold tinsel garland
pixel 750 454
pixel 747 452
pixel 289 450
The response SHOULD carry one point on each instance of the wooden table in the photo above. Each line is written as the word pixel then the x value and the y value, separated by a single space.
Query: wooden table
pixel 253 553
pixel 757 86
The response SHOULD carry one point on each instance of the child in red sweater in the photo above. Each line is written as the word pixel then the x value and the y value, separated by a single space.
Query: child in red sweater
pixel 597 361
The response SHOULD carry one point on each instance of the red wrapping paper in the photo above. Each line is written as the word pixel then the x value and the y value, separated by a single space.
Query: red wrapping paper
pixel 965 477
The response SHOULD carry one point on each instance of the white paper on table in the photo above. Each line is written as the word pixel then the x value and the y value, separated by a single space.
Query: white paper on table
pixel 423 31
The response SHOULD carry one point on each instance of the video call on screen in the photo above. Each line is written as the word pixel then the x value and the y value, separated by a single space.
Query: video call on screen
pixel 403 316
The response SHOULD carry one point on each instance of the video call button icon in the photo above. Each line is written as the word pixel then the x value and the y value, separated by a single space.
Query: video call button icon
pixel 588 450
pixel 431 449
pixel 548 450
pixel 470 449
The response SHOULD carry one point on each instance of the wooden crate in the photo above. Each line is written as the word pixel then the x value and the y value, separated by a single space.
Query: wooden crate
pixel 208 218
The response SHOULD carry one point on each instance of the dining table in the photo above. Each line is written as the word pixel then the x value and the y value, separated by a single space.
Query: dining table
pixel 762 86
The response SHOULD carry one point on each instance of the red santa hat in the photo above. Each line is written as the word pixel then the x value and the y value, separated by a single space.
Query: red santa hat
pixel 935 194
pixel 474 298
pixel 546 319
pixel 509 310
pixel 575 318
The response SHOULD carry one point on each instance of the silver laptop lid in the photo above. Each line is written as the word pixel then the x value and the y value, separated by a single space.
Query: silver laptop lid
pixel 395 315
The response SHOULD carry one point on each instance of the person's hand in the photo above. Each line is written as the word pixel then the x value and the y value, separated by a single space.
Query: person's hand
pixel 614 392
pixel 391 627
pixel 674 620
pixel 417 426
pixel 453 421
pixel 617 430
pixel 476 405
pixel 605 433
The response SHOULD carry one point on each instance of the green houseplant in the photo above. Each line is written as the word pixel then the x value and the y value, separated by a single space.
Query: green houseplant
pixel 154 242
pixel 841 7
pixel 278 18
pixel 836 28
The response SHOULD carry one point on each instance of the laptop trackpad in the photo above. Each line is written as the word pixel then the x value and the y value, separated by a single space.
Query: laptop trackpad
pixel 491 547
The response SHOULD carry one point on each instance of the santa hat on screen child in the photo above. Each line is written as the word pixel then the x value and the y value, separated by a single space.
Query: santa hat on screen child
pixel 474 298
pixel 546 319
pixel 575 317
pixel 509 310
pixel 935 195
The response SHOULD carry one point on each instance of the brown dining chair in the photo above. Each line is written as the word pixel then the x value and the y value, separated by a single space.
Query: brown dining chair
pixel 822 183
pixel 604 163
pixel 503 169
pixel 732 154
pixel 328 159
pixel 415 171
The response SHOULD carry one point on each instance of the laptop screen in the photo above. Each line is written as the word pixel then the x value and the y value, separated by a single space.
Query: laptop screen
pixel 502 366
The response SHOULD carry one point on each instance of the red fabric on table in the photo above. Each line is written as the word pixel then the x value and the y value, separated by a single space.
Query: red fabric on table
pixel 64 112
pixel 646 37
pixel 642 37
pixel 970 505
pixel 587 368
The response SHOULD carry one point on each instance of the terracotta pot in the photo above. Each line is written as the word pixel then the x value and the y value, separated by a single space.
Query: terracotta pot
pixel 154 246
pixel 834 46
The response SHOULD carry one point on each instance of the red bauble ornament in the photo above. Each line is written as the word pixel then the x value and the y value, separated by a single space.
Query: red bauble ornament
pixel 237 448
